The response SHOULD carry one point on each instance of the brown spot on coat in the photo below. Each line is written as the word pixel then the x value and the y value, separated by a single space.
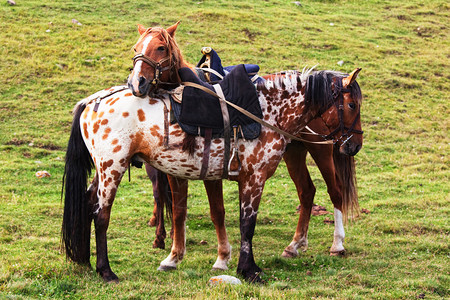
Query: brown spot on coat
pixel 128 94
pixel 125 114
pixel 141 115
pixel 117 148
pixel 107 131
pixel 96 126
pixel 86 111
pixel 115 141
pixel 86 133
pixel 114 101
pixel 104 122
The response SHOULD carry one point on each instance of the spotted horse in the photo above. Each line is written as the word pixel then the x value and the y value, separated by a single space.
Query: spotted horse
pixel 337 169
pixel 108 134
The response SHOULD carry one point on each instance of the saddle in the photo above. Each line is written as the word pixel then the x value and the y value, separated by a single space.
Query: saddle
pixel 199 111
pixel 210 68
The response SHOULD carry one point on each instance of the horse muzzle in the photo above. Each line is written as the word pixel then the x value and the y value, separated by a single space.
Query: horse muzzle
pixel 350 149
pixel 140 87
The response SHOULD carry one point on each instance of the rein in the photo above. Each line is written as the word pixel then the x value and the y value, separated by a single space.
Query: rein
pixel 252 116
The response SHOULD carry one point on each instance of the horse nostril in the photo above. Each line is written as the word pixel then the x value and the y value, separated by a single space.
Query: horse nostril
pixel 141 81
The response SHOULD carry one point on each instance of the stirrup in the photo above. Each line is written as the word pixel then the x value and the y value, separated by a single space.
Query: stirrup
pixel 234 165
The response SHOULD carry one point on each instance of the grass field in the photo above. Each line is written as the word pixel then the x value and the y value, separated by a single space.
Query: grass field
pixel 399 250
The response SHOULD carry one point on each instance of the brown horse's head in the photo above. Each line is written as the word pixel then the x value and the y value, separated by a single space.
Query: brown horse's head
pixel 343 118
pixel 157 60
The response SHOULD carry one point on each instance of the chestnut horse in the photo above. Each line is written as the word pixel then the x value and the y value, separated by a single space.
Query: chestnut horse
pixel 108 134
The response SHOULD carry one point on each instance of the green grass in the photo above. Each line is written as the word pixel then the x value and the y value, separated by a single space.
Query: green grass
pixel 399 250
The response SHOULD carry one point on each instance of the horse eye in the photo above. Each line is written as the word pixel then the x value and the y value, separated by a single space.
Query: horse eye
pixel 352 105
pixel 161 48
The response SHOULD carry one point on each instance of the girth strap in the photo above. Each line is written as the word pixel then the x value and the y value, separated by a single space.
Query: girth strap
pixel 226 129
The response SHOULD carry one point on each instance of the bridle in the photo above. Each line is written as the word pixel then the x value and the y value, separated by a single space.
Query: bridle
pixel 158 66
pixel 346 132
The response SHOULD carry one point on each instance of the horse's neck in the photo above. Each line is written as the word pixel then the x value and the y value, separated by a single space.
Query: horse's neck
pixel 285 103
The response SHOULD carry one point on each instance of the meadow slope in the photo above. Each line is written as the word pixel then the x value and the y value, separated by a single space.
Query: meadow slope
pixel 398 250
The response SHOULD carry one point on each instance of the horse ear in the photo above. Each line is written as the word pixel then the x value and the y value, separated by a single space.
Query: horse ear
pixel 346 81
pixel 141 29
pixel 171 30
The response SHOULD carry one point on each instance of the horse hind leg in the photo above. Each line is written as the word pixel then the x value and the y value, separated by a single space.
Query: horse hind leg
pixel 162 196
pixel 151 173
pixel 295 159
pixel 217 211
pixel 108 183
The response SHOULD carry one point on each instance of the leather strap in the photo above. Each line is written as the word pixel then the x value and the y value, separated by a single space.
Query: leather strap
pixel 206 152
pixel 226 129
pixel 252 116
pixel 166 127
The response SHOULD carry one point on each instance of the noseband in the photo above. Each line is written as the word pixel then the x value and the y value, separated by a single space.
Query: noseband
pixel 346 132
pixel 157 65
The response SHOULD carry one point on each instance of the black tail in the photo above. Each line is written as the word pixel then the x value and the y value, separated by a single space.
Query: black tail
pixel 76 225
pixel 346 172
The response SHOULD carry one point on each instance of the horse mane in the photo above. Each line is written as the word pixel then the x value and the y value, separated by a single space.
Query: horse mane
pixel 319 92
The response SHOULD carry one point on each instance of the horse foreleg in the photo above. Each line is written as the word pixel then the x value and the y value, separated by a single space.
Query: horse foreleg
pixel 162 185
pixel 249 198
pixel 179 210
pixel 217 210
pixel 325 164
pixel 295 158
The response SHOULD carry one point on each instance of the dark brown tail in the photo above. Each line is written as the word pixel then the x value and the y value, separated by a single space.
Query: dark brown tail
pixel 346 172
pixel 77 218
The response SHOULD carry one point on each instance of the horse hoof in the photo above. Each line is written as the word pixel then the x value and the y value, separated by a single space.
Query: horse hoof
pixel 341 253
pixel 219 268
pixel 159 244
pixel 110 277
pixel 166 268
pixel 289 254
pixel 152 222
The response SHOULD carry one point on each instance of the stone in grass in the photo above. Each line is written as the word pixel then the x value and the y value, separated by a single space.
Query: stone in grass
pixel 42 174
pixel 11 2
pixel 224 279
pixel 75 21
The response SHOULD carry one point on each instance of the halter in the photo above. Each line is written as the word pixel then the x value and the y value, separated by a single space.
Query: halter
pixel 157 65
pixel 338 96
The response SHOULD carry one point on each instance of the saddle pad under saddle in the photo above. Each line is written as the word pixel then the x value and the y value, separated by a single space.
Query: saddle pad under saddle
pixel 201 110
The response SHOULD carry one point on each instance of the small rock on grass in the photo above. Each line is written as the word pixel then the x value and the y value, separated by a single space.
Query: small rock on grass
pixel 75 21
pixel 224 279
pixel 42 174
pixel 11 2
